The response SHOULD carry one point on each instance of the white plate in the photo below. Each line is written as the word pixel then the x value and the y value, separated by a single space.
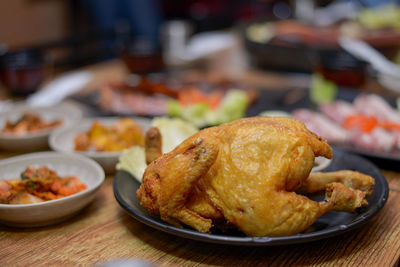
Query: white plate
pixel 68 113
pixel 63 140
pixel 52 211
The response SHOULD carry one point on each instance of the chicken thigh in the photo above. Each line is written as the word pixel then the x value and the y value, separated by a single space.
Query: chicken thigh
pixel 246 173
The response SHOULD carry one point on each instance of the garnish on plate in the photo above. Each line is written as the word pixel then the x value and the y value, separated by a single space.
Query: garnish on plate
pixel 173 132
pixel 204 109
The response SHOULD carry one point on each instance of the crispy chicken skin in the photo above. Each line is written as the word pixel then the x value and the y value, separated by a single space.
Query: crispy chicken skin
pixel 152 144
pixel 246 173
pixel 317 181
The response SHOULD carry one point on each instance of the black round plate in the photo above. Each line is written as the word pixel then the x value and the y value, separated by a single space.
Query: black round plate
pixel 330 224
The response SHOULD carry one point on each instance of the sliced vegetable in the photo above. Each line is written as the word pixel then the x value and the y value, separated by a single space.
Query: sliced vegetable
pixel 361 122
pixel 233 106
pixel 391 126
pixel 133 161
pixel 321 90
pixel 193 96
pixel 367 123
pixel 275 113
pixel 385 16
pixel 213 111
pixel 173 131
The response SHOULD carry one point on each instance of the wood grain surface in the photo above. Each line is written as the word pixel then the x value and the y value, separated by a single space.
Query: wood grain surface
pixel 104 232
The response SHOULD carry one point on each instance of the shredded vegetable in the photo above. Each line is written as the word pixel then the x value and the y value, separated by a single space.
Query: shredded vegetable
pixel 213 109
pixel 173 132
pixel 321 90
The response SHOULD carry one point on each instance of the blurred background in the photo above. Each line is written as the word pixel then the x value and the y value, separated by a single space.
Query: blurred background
pixel 88 31
pixel 39 38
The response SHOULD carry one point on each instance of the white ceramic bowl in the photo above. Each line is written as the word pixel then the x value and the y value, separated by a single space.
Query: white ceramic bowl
pixel 63 141
pixel 69 115
pixel 52 211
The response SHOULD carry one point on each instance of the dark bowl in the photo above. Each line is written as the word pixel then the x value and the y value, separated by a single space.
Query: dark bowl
pixel 333 63
pixel 22 71
pixel 338 66
pixel 279 57
pixel 143 64
pixel 308 49
pixel 142 56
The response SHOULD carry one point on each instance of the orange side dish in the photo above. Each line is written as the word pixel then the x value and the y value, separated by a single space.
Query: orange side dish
pixel 362 122
pixel 38 185
pixel 193 95
pixel 28 123
pixel 367 123
pixel 125 133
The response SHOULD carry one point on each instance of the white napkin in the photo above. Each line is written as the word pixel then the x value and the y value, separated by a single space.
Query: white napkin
pixel 60 88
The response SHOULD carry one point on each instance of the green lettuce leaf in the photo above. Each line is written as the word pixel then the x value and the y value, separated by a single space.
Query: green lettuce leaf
pixel 233 106
pixel 322 90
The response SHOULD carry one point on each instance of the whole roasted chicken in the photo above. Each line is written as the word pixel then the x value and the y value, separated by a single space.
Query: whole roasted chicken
pixel 253 173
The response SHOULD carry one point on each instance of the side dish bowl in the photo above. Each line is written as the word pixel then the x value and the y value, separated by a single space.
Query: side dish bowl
pixel 67 113
pixel 63 141
pixel 52 211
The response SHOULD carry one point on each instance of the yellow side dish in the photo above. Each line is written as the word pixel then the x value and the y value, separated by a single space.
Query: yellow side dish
pixel 125 133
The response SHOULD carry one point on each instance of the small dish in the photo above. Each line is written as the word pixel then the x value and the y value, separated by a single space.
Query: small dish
pixel 22 71
pixel 63 141
pixel 38 140
pixel 52 211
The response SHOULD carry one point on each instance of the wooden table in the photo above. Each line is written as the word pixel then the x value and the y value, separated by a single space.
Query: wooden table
pixel 104 232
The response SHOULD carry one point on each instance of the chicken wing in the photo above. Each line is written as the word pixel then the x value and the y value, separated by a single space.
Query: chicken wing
pixel 246 173
pixel 153 144
pixel 317 181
